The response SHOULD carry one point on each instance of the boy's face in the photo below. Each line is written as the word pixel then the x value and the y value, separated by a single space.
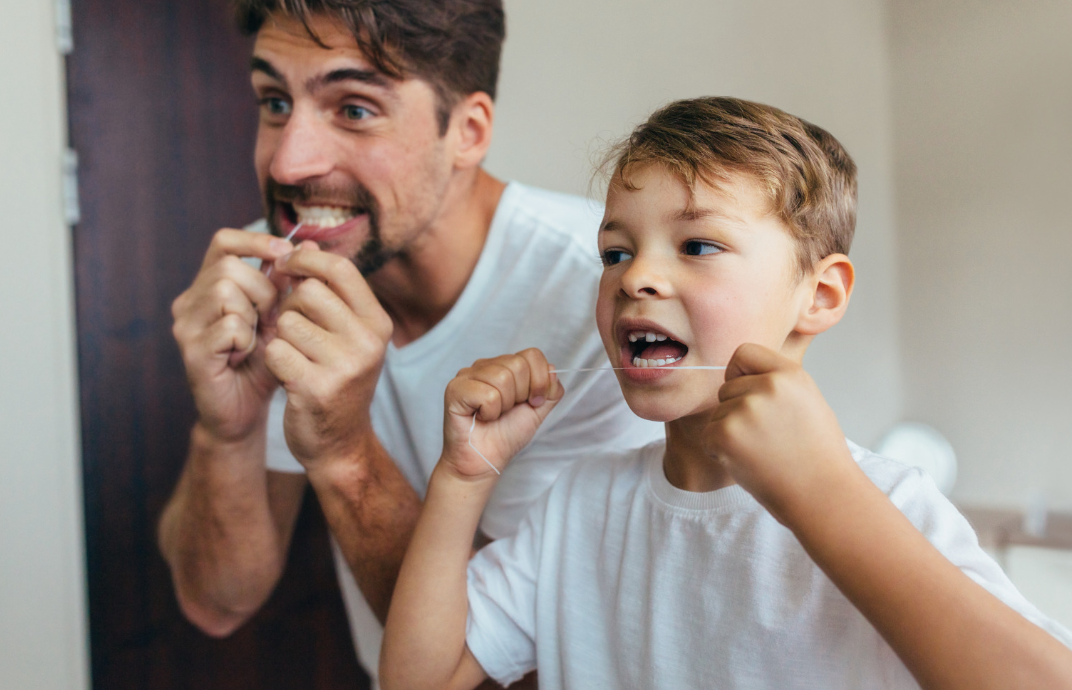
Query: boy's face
pixel 702 274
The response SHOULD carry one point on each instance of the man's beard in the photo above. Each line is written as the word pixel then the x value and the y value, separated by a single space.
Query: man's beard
pixel 373 254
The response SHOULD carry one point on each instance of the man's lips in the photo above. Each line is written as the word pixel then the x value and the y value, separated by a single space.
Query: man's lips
pixel 287 220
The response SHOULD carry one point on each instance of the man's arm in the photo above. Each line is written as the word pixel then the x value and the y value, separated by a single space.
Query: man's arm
pixel 777 437
pixel 226 531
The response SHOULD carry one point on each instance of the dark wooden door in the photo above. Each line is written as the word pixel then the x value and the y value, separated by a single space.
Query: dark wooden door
pixel 163 119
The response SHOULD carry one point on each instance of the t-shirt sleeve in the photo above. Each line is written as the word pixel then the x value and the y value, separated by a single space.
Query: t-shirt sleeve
pixel 591 419
pixel 278 457
pixel 501 627
pixel 916 494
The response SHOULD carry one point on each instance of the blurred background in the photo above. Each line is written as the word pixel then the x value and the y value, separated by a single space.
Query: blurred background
pixel 956 111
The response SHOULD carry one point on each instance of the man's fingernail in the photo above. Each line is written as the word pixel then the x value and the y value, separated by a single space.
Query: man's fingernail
pixel 278 245
pixel 537 401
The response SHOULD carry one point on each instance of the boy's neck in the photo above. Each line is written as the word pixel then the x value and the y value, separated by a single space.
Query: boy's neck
pixel 688 466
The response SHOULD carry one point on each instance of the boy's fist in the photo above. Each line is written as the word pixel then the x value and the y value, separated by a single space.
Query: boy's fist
pixel 510 395
pixel 774 432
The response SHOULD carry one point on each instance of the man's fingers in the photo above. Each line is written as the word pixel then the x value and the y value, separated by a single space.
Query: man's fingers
pixel 305 336
pixel 241 243
pixel 319 304
pixel 336 272
pixel 285 362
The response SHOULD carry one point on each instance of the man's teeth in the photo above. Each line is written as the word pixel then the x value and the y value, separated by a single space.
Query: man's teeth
pixel 323 216
pixel 643 363
pixel 646 335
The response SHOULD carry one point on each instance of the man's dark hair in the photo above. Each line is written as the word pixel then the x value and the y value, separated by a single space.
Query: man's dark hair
pixel 454 45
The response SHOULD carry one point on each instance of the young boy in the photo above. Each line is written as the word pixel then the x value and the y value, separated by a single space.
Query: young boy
pixel 755 547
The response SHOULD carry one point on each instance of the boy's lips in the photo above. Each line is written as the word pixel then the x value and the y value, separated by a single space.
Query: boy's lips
pixel 648 350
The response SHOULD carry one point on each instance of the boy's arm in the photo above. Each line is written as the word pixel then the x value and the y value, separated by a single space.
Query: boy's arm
pixel 777 437
pixel 424 639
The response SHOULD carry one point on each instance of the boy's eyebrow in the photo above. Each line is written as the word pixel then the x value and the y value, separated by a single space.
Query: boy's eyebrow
pixel 692 213
pixel 611 226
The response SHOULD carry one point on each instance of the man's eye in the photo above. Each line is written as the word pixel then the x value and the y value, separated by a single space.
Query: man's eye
pixel 356 112
pixel 698 248
pixel 614 256
pixel 275 105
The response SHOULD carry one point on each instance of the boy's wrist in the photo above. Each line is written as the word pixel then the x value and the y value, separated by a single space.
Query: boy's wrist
pixel 467 488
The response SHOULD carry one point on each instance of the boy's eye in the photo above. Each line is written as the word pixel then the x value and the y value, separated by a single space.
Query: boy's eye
pixel 698 248
pixel 356 112
pixel 614 256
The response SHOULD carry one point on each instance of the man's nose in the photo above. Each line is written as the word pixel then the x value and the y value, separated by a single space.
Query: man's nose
pixel 646 277
pixel 304 149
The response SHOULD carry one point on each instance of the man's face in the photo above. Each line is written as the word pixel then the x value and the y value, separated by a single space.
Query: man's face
pixel 686 280
pixel 353 156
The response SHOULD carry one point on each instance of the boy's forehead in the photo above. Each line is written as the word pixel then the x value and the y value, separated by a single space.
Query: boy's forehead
pixel 734 199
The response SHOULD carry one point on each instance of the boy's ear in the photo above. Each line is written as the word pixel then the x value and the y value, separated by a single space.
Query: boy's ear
pixel 829 288
pixel 472 119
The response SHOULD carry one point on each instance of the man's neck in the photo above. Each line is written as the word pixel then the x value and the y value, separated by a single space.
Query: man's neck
pixel 420 286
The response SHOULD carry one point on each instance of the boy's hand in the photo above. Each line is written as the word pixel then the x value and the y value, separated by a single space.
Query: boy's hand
pixel 510 395
pixel 775 434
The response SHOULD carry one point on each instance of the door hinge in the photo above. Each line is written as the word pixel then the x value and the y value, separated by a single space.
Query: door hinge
pixel 64 31
pixel 72 213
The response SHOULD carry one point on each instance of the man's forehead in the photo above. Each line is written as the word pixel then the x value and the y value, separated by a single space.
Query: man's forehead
pixel 283 40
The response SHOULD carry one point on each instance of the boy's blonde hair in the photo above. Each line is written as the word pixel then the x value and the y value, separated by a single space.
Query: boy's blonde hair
pixel 809 177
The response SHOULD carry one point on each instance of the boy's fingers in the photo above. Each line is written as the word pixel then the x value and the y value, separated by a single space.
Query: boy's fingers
pixel 539 375
pixel 229 241
pixel 500 374
pixel 469 396
pixel 754 359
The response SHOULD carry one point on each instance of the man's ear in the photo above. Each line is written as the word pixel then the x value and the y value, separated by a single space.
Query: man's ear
pixel 472 120
pixel 829 287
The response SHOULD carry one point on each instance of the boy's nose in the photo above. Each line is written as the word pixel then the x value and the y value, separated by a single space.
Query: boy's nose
pixel 304 149
pixel 645 278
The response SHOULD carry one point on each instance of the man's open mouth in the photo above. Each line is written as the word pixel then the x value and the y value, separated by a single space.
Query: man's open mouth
pixel 650 348
pixel 319 216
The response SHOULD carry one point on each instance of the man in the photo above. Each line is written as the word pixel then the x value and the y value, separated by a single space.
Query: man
pixel 411 262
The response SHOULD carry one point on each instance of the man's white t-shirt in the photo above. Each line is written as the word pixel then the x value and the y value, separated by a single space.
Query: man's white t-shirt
pixel 618 579
pixel 533 286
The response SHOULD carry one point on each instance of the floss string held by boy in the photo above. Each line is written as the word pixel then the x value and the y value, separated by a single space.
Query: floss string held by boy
pixel 571 371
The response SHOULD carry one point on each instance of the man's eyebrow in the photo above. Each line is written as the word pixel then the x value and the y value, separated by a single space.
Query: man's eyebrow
pixel 257 64
pixel 365 76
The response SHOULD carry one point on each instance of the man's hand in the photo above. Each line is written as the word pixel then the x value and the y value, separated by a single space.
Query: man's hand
pixel 774 432
pixel 510 395
pixel 221 323
pixel 330 342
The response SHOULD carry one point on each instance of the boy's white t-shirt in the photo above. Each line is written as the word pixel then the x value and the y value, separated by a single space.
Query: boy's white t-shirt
pixel 533 286
pixel 618 579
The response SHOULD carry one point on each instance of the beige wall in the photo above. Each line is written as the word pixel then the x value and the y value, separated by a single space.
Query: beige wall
pixel 982 95
pixel 42 609
pixel 577 71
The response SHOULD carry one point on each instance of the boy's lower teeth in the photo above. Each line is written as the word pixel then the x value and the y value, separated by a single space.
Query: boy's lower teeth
pixel 645 363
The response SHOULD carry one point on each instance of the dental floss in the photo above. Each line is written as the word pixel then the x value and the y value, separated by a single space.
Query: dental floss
pixel 287 239
pixel 570 371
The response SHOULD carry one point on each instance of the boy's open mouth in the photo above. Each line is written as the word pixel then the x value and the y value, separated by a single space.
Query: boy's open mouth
pixel 650 348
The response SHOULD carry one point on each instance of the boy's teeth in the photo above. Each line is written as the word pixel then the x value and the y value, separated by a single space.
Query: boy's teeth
pixel 650 337
pixel 644 363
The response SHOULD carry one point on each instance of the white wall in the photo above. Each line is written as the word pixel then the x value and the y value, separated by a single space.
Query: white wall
pixel 577 71
pixel 982 93
pixel 42 600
